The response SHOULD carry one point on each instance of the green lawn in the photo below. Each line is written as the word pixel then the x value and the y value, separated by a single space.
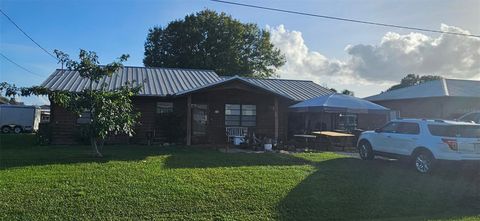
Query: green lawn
pixel 139 182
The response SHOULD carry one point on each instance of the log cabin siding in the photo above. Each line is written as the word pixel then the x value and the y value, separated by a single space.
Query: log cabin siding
pixel 65 128
pixel 63 125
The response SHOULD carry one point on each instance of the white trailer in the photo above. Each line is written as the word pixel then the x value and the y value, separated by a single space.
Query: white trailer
pixel 19 118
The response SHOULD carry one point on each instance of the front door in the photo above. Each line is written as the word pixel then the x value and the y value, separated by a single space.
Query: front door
pixel 199 123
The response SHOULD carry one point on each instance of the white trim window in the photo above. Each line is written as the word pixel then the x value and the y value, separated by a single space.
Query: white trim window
pixel 240 115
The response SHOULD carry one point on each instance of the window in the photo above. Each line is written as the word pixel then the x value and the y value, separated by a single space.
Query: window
pixel 465 131
pixel 164 107
pixel 408 128
pixel 249 115
pixel 200 119
pixel 232 114
pixel 473 117
pixel 240 115
pixel 390 128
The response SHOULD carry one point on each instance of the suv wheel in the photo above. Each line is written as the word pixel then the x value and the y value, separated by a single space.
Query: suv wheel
pixel 365 151
pixel 423 161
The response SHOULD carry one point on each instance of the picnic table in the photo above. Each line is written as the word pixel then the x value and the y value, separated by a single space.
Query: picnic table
pixel 336 138
pixel 307 137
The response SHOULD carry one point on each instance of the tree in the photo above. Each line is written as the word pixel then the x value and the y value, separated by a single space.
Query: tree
pixel 413 79
pixel 345 91
pixel 62 57
pixel 348 92
pixel 209 40
pixel 110 111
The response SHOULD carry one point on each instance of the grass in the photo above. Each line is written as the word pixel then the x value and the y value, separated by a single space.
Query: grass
pixel 139 182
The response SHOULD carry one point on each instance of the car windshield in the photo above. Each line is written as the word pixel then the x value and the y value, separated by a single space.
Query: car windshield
pixel 466 131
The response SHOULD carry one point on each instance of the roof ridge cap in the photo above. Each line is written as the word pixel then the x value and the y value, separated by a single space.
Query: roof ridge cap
pixel 445 87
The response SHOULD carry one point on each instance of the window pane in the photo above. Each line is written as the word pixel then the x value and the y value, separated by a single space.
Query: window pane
pixel 455 131
pixel 164 107
pixel 232 118
pixel 232 106
pixel 249 110
pixel 249 118
pixel 408 128
pixel 390 128
pixel 232 123
pixel 232 112
pixel 248 123
pixel 442 130
pixel 232 109
pixel 469 131
pixel 471 117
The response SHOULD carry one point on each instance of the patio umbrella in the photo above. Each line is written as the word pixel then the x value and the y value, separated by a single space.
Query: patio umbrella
pixel 338 103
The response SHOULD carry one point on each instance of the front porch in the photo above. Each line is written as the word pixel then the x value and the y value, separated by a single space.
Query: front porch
pixel 204 115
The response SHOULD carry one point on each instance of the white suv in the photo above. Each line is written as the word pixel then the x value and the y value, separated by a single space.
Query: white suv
pixel 423 142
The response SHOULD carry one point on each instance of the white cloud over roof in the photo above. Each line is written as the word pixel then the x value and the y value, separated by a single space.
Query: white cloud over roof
pixel 381 64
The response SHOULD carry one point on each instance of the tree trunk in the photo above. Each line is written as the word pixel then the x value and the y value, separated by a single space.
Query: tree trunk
pixel 95 148
pixel 102 142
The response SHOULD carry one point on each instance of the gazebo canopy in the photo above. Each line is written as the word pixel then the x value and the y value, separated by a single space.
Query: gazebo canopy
pixel 338 103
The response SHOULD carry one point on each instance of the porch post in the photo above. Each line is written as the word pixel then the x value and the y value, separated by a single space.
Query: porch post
pixel 307 119
pixel 276 117
pixel 189 120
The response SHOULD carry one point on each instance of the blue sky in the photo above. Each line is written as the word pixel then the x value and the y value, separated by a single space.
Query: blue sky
pixel 114 27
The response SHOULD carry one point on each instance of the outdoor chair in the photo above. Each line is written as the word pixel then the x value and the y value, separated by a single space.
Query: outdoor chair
pixel 233 133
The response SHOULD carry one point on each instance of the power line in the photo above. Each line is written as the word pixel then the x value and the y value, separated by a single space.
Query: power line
pixel 345 19
pixel 20 66
pixel 45 50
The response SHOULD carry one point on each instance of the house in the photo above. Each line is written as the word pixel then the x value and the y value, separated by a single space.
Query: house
pixel 439 99
pixel 206 102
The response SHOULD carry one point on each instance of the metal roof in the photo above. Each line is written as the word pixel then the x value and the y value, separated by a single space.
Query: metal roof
pixel 156 81
pixel 172 81
pixel 297 90
pixel 437 88
pixel 338 103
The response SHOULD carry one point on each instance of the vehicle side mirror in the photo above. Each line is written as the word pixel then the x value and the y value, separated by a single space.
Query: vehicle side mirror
pixel 378 130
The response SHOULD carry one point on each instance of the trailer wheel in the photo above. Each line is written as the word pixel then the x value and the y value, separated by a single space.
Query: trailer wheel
pixel 6 129
pixel 17 130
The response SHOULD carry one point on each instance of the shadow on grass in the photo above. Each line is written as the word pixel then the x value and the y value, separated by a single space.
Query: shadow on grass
pixel 22 156
pixel 352 189
pixel 178 157
pixel 200 159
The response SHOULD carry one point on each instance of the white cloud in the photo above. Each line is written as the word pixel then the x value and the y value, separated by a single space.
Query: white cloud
pixel 302 62
pixel 381 64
